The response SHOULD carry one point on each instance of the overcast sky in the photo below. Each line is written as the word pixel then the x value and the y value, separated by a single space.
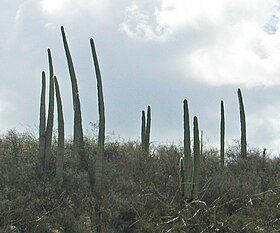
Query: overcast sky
pixel 150 52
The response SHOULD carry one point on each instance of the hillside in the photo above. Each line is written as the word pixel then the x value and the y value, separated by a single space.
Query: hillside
pixel 141 193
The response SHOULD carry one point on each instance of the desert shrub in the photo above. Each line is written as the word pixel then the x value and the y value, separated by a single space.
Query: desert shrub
pixel 141 193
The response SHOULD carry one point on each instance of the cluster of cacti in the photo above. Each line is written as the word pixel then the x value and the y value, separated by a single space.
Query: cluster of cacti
pixel 190 167
pixel 45 133
pixel 243 140
pixel 146 131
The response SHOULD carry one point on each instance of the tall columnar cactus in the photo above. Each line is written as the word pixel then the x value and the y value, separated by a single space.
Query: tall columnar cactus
pixel 243 125
pixel 197 159
pixel 143 130
pixel 78 147
pixel 182 182
pixel 146 131
pixel 187 159
pixel 101 138
pixel 42 125
pixel 49 129
pixel 222 135
pixel 201 142
pixel 189 169
pixel 60 138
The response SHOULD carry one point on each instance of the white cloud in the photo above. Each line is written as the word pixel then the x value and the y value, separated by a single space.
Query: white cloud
pixel 53 6
pixel 243 46
pixel 139 25
pixel 179 14
pixel 72 7
pixel 172 16
pixel 243 55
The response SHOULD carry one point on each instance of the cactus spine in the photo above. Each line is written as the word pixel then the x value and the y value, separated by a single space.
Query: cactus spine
pixel 42 125
pixel 78 147
pixel 197 159
pixel 146 131
pixel 242 124
pixel 49 129
pixel 222 135
pixel 60 149
pixel 101 139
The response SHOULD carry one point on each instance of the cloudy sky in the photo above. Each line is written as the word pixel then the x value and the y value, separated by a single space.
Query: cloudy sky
pixel 150 52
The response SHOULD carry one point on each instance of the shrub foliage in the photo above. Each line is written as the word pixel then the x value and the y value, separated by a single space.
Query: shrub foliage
pixel 141 193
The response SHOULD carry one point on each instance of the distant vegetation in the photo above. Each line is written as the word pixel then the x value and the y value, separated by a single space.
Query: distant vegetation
pixel 141 194
pixel 53 184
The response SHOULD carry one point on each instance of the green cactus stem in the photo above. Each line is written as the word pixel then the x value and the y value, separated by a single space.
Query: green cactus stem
pixel 60 137
pixel 201 143
pixel 42 126
pixel 51 70
pixel 49 129
pixel 78 144
pixel 187 160
pixel 197 160
pixel 242 124
pixel 101 139
pixel 148 131
pixel 143 130
pixel 181 176
pixel 222 135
